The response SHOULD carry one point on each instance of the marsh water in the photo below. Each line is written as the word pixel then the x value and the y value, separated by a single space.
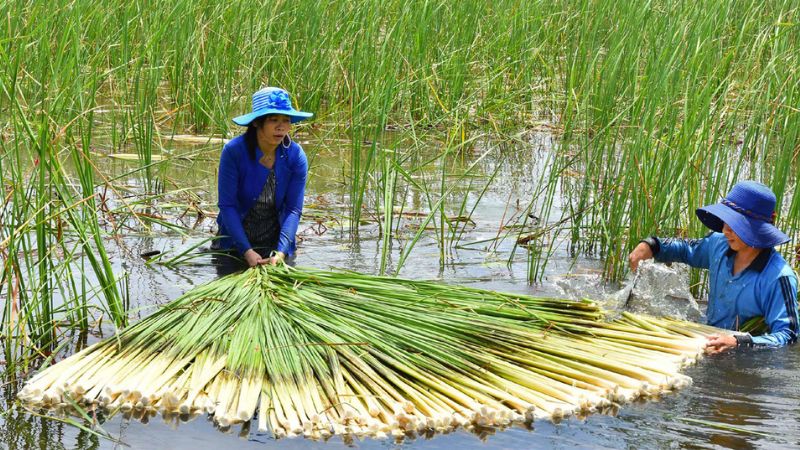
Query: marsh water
pixel 740 400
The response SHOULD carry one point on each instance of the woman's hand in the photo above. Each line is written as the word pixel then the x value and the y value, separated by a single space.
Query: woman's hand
pixel 253 258
pixel 719 343
pixel 639 254
pixel 276 258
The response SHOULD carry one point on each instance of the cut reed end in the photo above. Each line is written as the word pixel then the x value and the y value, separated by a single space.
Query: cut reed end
pixel 135 395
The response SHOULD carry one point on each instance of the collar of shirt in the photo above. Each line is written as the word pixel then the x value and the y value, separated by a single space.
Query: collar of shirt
pixel 757 264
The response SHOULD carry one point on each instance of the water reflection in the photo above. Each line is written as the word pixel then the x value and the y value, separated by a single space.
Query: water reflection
pixel 748 390
pixel 20 430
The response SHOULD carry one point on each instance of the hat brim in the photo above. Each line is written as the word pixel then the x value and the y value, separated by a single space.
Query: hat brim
pixel 296 116
pixel 753 232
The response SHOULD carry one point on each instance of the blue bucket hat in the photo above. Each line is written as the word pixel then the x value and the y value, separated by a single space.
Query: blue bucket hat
pixel 749 209
pixel 271 100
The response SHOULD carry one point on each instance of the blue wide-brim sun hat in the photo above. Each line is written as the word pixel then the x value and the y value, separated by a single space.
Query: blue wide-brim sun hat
pixel 271 100
pixel 749 210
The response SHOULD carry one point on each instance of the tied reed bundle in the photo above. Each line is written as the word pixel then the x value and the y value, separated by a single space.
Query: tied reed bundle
pixel 322 353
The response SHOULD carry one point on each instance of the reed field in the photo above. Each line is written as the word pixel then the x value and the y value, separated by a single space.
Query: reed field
pixel 655 108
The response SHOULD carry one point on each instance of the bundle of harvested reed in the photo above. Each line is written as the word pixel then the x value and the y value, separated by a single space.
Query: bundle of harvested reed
pixel 324 353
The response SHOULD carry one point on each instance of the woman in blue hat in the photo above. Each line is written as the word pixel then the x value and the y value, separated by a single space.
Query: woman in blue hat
pixel 747 278
pixel 262 179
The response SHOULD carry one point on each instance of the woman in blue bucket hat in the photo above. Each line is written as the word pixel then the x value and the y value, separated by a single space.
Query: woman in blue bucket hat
pixel 261 182
pixel 747 277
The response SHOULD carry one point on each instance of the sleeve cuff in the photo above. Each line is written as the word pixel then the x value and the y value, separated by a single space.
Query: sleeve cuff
pixel 242 247
pixel 743 340
pixel 653 243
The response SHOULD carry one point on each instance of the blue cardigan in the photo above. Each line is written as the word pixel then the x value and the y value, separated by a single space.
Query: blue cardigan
pixel 241 181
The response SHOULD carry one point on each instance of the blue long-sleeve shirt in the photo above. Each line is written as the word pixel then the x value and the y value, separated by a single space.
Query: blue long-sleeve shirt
pixel 767 287
pixel 240 182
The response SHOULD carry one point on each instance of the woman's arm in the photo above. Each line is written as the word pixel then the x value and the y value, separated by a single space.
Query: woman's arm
pixel 293 203
pixel 227 190
pixel 694 252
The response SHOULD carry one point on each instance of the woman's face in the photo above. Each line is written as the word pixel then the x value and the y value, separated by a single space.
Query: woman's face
pixel 273 129
pixel 734 242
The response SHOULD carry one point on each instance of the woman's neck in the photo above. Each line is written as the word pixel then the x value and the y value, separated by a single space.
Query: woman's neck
pixel 266 147
pixel 267 154
pixel 744 258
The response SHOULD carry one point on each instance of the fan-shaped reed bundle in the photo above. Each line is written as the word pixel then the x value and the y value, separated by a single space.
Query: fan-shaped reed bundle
pixel 323 353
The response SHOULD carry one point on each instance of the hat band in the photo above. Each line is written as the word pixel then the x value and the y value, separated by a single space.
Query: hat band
pixel 747 212
pixel 264 104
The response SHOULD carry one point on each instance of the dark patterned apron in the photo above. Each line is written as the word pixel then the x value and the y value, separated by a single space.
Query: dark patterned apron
pixel 261 224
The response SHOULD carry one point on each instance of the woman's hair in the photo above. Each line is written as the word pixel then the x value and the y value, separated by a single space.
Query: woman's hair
pixel 250 138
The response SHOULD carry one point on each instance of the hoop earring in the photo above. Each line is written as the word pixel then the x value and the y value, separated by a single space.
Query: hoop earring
pixel 287 141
